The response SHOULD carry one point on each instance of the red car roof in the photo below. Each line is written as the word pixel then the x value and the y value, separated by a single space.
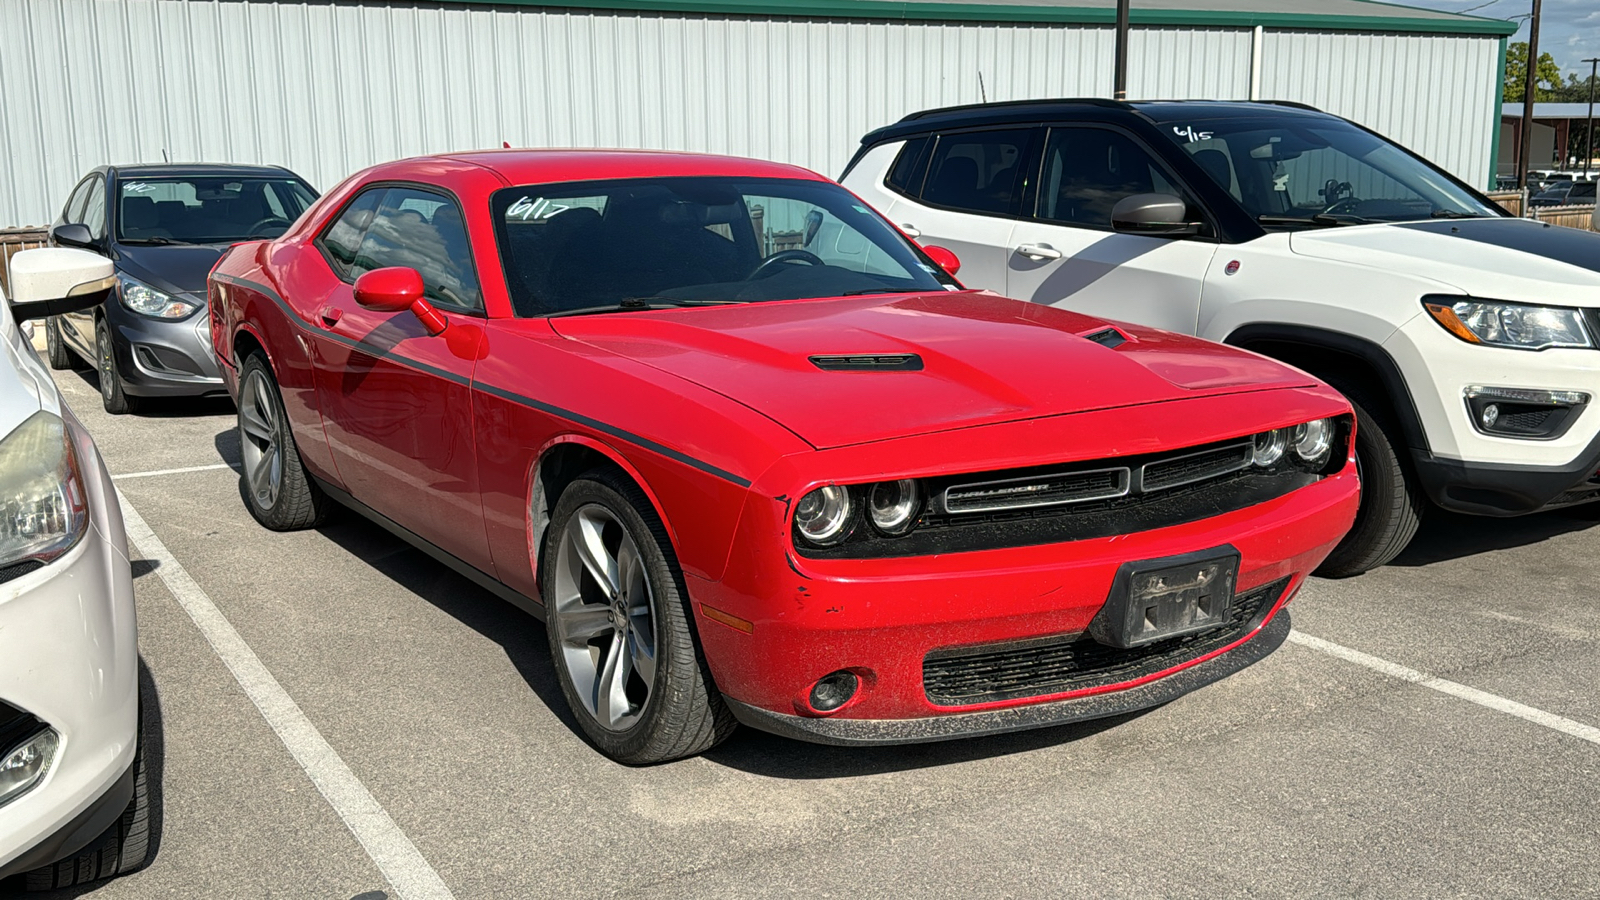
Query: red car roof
pixel 539 166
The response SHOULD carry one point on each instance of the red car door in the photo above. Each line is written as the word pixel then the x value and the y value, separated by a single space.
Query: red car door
pixel 396 400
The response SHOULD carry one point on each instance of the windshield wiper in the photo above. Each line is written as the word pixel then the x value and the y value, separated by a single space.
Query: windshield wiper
pixel 877 291
pixel 150 240
pixel 1323 220
pixel 1452 214
pixel 632 304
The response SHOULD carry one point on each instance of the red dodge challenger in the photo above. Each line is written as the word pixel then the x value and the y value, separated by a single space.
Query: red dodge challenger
pixel 756 457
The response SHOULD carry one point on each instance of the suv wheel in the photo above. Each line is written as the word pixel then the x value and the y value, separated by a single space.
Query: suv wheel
pixel 1391 504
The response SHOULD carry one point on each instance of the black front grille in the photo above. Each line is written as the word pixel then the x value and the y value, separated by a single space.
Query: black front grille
pixel 967 675
pixel 17 570
pixel 1171 473
pixel 1046 490
pixel 15 726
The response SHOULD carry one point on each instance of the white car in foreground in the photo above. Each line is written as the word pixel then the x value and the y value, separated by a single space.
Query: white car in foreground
pixel 73 800
pixel 1467 340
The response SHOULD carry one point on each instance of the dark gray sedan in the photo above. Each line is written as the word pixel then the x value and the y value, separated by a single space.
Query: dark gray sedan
pixel 163 227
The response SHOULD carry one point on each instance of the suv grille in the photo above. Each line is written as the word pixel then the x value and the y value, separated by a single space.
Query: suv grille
pixel 964 676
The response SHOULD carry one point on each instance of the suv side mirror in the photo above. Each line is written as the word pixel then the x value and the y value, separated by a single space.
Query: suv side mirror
pixel 50 281
pixel 1159 215
pixel 395 289
pixel 73 234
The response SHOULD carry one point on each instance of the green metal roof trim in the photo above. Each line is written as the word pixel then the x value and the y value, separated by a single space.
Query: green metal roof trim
pixel 1372 16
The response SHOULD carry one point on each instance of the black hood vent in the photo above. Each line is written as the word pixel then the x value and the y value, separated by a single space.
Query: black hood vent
pixel 1107 337
pixel 869 362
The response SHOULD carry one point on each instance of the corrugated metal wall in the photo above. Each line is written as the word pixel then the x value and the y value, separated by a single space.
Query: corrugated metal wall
pixel 328 88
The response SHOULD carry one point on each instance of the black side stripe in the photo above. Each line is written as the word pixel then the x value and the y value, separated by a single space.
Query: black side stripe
pixel 502 393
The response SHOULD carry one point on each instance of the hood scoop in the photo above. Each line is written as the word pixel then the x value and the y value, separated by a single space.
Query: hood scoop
pixel 1107 337
pixel 868 362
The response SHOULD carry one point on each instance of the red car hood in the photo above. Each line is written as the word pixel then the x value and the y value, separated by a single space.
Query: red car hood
pixel 985 359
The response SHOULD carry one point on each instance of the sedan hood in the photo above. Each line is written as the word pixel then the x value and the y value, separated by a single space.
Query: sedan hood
pixel 174 268
pixel 938 361
pixel 1506 259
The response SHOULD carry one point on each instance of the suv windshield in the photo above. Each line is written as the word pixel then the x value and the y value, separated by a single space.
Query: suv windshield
pixel 1321 172
pixel 207 209
pixel 642 243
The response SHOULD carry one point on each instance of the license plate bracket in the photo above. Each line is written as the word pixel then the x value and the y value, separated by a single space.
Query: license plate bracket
pixel 1159 599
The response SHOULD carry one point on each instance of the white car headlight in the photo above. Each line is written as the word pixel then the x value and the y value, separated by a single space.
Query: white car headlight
pixel 147 301
pixel 43 507
pixel 1516 325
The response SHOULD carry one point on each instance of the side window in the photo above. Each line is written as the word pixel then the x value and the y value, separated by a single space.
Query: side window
pixel 977 171
pixel 94 214
pixel 72 213
pixel 1087 170
pixel 343 239
pixel 423 231
pixel 905 176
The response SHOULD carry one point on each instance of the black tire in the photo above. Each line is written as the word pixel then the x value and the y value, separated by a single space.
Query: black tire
pixel 56 352
pixel 124 848
pixel 116 401
pixel 1391 502
pixel 298 503
pixel 684 714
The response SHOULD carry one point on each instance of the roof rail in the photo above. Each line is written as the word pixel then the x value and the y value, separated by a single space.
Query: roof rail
pixel 1007 104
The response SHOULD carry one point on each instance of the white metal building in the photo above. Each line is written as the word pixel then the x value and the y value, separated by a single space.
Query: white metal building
pixel 327 87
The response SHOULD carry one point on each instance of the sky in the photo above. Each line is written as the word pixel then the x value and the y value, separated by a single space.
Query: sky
pixel 1569 30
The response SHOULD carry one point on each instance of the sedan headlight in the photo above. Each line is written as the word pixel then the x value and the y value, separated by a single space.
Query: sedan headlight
pixel 43 507
pixel 1515 325
pixel 147 301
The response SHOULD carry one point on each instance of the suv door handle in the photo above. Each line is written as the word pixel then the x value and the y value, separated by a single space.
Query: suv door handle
pixel 331 315
pixel 1039 251
pixel 910 230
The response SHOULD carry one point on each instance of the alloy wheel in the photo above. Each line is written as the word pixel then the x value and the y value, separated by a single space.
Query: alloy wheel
pixel 604 617
pixel 108 362
pixel 258 439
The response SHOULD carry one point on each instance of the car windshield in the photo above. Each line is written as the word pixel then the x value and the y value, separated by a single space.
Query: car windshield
pixel 1314 171
pixel 601 246
pixel 207 209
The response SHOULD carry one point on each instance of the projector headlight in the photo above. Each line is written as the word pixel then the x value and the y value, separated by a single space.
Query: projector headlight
pixel 822 516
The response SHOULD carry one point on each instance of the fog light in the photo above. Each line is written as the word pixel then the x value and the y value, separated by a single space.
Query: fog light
pixel 26 765
pixel 834 691
pixel 1491 414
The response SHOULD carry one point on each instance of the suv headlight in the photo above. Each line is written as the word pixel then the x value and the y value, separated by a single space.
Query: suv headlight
pixel 1515 325
pixel 43 507
pixel 147 301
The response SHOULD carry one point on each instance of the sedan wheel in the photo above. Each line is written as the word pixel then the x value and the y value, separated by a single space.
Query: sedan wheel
pixel 112 396
pixel 276 487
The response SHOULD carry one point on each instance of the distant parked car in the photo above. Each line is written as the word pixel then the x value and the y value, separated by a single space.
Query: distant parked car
pixel 754 455
pixel 1565 193
pixel 74 803
pixel 163 227
pixel 1465 338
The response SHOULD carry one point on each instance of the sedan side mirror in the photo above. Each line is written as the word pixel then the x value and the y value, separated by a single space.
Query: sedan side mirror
pixel 50 281
pixel 945 259
pixel 73 234
pixel 396 289
pixel 1158 215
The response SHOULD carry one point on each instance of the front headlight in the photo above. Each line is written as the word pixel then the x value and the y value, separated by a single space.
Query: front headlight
pixel 43 507
pixel 147 301
pixel 1515 325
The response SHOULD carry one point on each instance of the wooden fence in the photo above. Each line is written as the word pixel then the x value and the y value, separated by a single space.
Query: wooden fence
pixel 13 241
pixel 1570 216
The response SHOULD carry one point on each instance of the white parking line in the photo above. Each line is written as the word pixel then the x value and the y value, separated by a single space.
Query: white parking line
pixel 1471 695
pixel 395 856
pixel 181 471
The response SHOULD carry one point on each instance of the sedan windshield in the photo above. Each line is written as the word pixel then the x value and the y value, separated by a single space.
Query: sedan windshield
pixel 604 246
pixel 1314 171
pixel 207 209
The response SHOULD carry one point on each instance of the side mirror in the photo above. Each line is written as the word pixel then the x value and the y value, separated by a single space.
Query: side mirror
pixel 50 281
pixel 72 235
pixel 396 289
pixel 1159 215
pixel 944 258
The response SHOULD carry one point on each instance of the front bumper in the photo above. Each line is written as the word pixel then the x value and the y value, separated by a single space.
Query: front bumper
pixel 69 656
pixel 158 358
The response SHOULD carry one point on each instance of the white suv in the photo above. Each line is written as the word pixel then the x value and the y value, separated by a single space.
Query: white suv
pixel 1468 340
pixel 74 805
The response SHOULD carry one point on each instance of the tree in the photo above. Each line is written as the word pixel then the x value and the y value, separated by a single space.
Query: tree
pixel 1547 75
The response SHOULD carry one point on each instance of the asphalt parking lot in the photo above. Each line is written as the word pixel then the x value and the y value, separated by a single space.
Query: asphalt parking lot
pixel 1310 774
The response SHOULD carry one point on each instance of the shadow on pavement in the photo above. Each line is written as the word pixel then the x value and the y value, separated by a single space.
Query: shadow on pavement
pixel 1446 535
pixel 164 407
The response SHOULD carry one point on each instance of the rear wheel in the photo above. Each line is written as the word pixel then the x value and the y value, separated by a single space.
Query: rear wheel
pixel 276 487
pixel 1391 503
pixel 112 396
pixel 619 627
pixel 56 352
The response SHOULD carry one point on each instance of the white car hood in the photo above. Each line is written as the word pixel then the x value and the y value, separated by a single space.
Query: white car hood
pixel 1500 258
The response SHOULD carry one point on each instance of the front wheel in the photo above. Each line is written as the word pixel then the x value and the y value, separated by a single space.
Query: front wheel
pixel 276 487
pixel 617 618
pixel 1391 504
pixel 124 848
pixel 112 397
pixel 56 352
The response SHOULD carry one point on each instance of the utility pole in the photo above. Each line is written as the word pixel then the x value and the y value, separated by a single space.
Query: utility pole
pixel 1588 129
pixel 1525 138
pixel 1119 87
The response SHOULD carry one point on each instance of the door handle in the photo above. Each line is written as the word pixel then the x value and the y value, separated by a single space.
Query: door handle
pixel 331 315
pixel 910 230
pixel 1039 251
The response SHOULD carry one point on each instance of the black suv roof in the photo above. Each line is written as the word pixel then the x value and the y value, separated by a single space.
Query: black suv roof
pixel 1081 108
